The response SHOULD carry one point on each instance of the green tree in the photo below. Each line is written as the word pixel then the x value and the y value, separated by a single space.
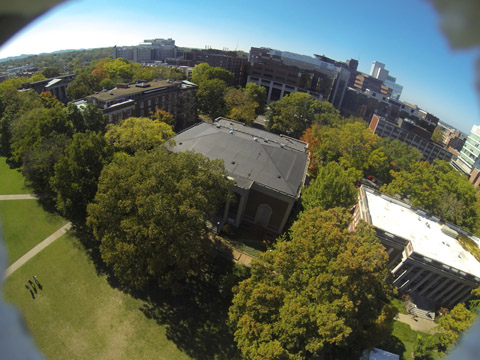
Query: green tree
pixel 38 164
pixel 241 106
pixel 50 72
pixel 424 347
pixel 119 70
pixel 452 325
pixel 392 155
pixel 149 215
pixel 350 144
pixel 86 118
pixel 210 98
pixel 134 134
pixel 257 94
pixel 204 72
pixel 45 118
pixel 439 189
pixel 324 292
pixel 293 114
pixel 438 134
pixel 107 84
pixel 333 187
pixel 77 172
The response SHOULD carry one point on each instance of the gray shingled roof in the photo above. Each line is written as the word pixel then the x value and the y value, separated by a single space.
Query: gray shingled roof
pixel 280 167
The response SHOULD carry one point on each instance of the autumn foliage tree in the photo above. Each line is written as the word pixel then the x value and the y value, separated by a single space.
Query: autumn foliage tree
pixel 324 292
pixel 351 145
pixel 134 134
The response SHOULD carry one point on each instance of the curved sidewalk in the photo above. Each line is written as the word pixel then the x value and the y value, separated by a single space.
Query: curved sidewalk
pixel 35 250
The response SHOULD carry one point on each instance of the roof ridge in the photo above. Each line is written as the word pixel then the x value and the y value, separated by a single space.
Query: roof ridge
pixel 266 148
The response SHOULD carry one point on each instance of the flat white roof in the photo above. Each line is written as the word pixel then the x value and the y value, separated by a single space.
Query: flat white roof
pixel 424 234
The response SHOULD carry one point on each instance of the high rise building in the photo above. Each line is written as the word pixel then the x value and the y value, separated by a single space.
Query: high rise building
pixel 469 157
pixel 379 72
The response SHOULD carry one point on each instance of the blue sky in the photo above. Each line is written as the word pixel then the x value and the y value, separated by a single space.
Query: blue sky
pixel 404 35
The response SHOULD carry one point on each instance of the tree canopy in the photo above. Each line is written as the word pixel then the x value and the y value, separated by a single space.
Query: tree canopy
pixel 240 105
pixel 333 187
pixel 77 173
pixel 296 112
pixel 392 155
pixel 149 215
pixel 204 72
pixel 210 98
pixel 323 292
pixel 257 94
pixel 439 189
pixel 134 134
pixel 350 145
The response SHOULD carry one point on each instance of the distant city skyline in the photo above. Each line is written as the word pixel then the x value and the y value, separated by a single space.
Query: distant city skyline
pixel 403 36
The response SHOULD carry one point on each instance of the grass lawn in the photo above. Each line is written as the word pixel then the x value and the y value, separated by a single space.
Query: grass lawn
pixel 25 224
pixel 401 341
pixel 78 315
pixel 399 305
pixel 11 180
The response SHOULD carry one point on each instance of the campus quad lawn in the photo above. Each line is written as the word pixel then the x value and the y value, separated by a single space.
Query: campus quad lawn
pixel 78 315
pixel 24 225
pixel 11 180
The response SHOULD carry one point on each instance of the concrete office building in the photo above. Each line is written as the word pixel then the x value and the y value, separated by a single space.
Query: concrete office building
pixel 283 72
pixel 425 257
pixel 411 134
pixel 147 52
pixel 379 72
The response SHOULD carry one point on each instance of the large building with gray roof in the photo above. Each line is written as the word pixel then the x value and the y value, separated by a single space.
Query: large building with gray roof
pixel 269 170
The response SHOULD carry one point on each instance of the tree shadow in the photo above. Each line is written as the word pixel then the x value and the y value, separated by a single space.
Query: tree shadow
pixel 196 321
pixel 91 247
pixel 394 345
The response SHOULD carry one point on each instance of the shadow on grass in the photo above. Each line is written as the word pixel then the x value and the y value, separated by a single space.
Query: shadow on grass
pixel 394 345
pixel 196 321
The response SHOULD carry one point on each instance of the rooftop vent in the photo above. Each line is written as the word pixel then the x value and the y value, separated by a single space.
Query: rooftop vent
pixel 450 232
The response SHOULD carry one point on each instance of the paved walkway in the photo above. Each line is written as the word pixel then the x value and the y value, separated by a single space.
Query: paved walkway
pixel 417 324
pixel 39 247
pixel 35 250
pixel 19 197
pixel 230 252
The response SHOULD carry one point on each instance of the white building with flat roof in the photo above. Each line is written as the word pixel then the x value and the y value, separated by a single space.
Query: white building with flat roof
pixel 425 256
